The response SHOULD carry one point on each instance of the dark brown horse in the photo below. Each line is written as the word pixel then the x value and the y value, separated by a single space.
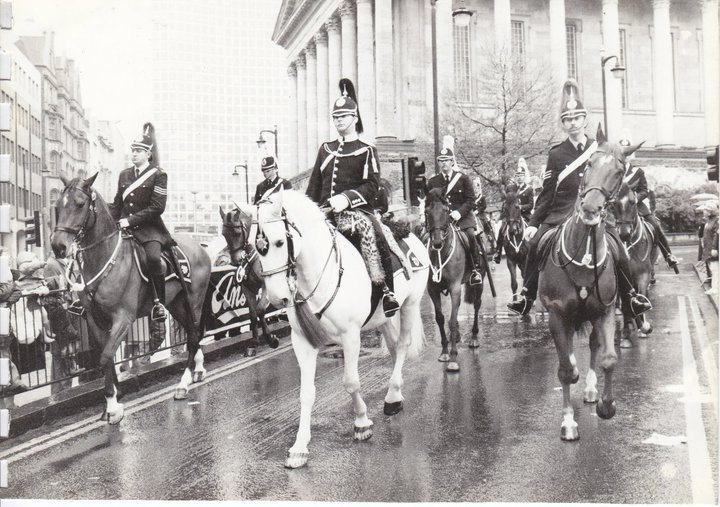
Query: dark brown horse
pixel 236 229
pixel 578 284
pixel 643 253
pixel 516 249
pixel 112 289
pixel 449 270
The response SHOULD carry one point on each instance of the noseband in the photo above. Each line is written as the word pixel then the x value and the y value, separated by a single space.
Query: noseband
pixel 445 229
pixel 78 234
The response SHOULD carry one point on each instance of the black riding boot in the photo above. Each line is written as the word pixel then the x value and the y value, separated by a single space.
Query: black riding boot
pixel 390 303
pixel 499 245
pixel 530 284
pixel 476 276
pixel 632 301
pixel 662 241
pixel 158 311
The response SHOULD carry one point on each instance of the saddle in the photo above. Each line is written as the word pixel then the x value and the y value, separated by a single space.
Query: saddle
pixel 170 267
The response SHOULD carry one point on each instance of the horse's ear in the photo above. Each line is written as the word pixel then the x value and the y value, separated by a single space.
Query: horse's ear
pixel 89 182
pixel 276 203
pixel 222 213
pixel 600 136
pixel 65 181
pixel 629 150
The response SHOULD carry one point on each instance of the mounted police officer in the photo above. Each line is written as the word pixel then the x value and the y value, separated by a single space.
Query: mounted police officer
pixel 458 190
pixel 526 200
pixel 346 177
pixel 635 179
pixel 138 208
pixel 565 166
pixel 272 182
pixel 483 224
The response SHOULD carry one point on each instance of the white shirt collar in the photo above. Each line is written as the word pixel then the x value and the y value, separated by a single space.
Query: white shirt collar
pixel 349 137
pixel 583 141
pixel 142 167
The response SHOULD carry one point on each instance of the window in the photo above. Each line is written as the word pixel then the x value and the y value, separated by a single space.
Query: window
pixel 571 46
pixel 517 41
pixel 463 68
pixel 622 61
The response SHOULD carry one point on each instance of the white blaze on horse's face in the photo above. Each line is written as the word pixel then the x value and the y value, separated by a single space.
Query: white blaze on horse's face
pixel 65 201
pixel 602 175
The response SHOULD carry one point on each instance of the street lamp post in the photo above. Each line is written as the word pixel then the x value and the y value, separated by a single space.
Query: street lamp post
pixel 436 116
pixel 194 194
pixel 261 140
pixel 618 72
pixel 236 173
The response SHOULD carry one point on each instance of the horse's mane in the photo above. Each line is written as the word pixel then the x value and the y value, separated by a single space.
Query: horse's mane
pixel 436 194
pixel 298 204
pixel 99 200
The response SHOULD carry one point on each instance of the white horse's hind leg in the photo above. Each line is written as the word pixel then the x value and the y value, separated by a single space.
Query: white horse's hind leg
pixel 591 391
pixel 199 373
pixel 362 427
pixel 397 332
pixel 181 389
pixel 307 360
pixel 114 410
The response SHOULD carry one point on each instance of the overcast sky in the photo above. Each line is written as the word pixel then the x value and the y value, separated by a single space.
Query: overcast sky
pixel 109 40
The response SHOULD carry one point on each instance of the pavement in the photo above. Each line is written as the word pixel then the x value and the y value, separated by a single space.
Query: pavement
pixel 74 399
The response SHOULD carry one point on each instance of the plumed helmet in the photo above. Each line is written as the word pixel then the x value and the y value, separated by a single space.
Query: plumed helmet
pixel 522 168
pixel 347 103
pixel 571 105
pixel 447 152
pixel 146 141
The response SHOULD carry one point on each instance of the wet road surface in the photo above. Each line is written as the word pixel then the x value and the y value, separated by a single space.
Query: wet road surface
pixel 488 433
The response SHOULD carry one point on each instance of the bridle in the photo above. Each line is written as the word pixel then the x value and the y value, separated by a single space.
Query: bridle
pixel 248 255
pixel 609 195
pixel 289 268
pixel 78 234
pixel 446 229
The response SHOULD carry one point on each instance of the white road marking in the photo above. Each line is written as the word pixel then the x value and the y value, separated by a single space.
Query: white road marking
pixel 44 442
pixel 700 470
pixel 703 343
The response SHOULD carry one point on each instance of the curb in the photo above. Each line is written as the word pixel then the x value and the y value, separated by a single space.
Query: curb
pixel 70 401
pixel 701 277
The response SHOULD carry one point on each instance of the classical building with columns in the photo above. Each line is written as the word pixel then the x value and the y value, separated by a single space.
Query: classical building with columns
pixel 669 48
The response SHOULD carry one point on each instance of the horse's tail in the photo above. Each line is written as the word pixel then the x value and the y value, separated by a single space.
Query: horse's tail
pixel 417 338
pixel 310 325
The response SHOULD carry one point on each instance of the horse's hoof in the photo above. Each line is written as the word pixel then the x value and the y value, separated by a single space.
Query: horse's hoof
pixel 180 393
pixel 474 343
pixel 363 433
pixel 626 344
pixel 569 433
pixel 591 396
pixel 605 410
pixel 250 352
pixel 198 376
pixel 104 416
pixel 116 416
pixel 296 459
pixel 444 358
pixel 273 341
pixel 392 408
pixel 452 366
pixel 646 328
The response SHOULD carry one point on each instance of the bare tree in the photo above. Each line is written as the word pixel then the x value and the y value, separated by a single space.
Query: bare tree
pixel 515 116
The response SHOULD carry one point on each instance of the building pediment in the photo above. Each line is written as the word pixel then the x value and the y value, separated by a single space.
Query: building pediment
pixel 294 15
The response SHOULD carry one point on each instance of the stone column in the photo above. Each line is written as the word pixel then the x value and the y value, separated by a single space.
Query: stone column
pixel 613 92
pixel 349 40
pixel 501 11
pixel 663 85
pixel 384 70
pixel 711 71
pixel 323 99
pixel 290 166
pixel 302 153
pixel 558 42
pixel 334 67
pixel 366 67
pixel 311 94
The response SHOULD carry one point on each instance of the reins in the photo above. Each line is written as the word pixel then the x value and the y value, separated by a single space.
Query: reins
pixel 437 271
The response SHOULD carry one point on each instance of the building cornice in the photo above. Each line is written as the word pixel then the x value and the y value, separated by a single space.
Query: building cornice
pixel 296 29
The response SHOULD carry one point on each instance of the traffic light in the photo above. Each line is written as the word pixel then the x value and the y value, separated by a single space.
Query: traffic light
pixel 712 160
pixel 416 180
pixel 33 229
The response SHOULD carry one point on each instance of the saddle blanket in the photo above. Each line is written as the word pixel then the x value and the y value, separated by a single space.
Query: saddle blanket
pixel 170 274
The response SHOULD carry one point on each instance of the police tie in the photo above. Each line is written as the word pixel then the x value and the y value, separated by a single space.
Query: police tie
pixel 137 173
pixel 580 148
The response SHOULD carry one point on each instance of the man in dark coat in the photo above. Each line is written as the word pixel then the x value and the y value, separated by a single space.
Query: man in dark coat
pixel 635 178
pixel 526 201
pixel 346 177
pixel 139 205
pixel 561 181
pixel 272 182
pixel 458 190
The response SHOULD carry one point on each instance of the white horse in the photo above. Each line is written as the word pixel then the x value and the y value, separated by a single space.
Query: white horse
pixel 321 278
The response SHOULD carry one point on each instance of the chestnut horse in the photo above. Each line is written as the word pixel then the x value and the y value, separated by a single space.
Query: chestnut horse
pixel 578 283
pixel 113 292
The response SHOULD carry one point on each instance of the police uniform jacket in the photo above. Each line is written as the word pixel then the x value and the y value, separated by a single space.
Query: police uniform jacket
pixel 526 200
pixel 481 206
pixel 635 178
pixel 142 201
pixel 460 195
pixel 557 201
pixel 273 186
pixel 351 168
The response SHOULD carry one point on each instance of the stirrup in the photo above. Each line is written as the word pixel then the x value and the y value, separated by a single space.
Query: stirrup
pixel 639 304
pixel 158 311
pixel 76 308
pixel 476 276
pixel 497 258
pixel 390 304
pixel 522 306
pixel 671 260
